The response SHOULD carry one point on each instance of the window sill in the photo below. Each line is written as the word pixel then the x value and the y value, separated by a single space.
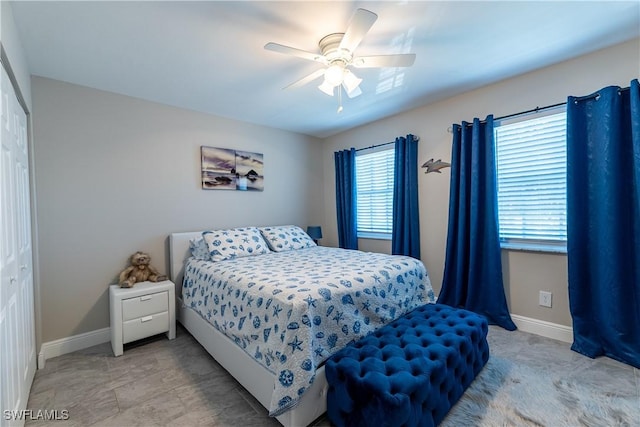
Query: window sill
pixel 533 247
pixel 374 236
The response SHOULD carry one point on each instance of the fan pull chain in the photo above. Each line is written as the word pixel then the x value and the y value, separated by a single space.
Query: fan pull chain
pixel 339 100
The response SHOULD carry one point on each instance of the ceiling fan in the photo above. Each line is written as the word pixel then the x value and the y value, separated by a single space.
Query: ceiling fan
pixel 337 55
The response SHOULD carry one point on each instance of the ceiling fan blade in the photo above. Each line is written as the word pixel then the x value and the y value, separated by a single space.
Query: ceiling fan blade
pixel 378 61
pixel 360 24
pixel 288 50
pixel 355 92
pixel 307 79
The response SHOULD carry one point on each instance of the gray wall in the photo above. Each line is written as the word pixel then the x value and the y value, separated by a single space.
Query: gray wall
pixel 525 273
pixel 116 174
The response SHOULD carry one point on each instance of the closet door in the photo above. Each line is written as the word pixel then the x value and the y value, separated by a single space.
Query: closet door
pixel 17 336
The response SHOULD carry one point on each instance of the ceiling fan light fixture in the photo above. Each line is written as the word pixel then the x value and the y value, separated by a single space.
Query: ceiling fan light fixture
pixel 351 82
pixel 334 75
pixel 326 87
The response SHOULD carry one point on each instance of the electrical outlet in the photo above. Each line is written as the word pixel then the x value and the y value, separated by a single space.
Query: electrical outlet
pixel 545 299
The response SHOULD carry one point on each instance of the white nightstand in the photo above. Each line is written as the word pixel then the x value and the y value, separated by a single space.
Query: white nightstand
pixel 144 310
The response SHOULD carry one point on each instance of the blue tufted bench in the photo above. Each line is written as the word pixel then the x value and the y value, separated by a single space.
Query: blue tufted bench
pixel 409 372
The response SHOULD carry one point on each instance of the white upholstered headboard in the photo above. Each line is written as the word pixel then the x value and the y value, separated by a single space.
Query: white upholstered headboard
pixel 178 254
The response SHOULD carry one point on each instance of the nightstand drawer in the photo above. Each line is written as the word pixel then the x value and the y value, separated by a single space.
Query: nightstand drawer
pixel 133 308
pixel 142 311
pixel 145 327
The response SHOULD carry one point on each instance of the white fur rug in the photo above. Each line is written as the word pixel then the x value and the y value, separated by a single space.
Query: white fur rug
pixel 508 394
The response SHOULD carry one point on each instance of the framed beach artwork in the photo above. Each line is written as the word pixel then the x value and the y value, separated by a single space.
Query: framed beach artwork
pixel 249 169
pixel 226 169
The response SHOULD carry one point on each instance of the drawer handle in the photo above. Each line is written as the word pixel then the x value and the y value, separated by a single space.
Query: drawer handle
pixel 146 318
pixel 145 298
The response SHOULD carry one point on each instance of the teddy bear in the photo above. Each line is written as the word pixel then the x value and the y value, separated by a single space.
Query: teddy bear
pixel 140 270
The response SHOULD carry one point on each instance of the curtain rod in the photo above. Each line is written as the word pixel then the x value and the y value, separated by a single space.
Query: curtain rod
pixel 534 110
pixel 521 113
pixel 382 145
pixel 538 109
pixel 375 146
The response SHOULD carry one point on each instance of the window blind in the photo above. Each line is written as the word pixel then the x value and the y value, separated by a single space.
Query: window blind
pixel 374 193
pixel 531 179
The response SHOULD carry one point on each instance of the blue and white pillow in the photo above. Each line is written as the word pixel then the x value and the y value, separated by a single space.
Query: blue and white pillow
pixel 234 243
pixel 199 249
pixel 286 238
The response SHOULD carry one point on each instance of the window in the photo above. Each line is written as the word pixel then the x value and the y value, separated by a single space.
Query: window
pixel 374 189
pixel 531 180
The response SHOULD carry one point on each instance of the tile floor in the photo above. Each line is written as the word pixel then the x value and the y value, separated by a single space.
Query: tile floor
pixel 158 382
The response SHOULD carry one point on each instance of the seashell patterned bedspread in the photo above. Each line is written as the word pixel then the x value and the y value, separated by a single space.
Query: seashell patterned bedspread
pixel 291 310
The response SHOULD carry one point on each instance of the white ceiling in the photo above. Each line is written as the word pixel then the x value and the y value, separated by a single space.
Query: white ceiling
pixel 209 56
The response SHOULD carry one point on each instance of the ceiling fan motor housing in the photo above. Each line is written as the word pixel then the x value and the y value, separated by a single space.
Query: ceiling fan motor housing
pixel 330 48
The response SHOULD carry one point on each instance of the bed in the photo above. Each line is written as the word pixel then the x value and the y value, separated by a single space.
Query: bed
pixel 273 318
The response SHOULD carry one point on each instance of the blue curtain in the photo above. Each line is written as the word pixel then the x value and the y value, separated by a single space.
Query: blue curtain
pixel 345 161
pixel 473 267
pixel 405 237
pixel 603 222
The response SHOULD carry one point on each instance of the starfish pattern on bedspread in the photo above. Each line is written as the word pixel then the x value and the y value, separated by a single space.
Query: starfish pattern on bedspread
pixel 291 310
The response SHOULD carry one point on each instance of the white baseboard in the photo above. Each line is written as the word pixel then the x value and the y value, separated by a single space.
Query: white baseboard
pixel 70 344
pixel 543 328
pixel 88 339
